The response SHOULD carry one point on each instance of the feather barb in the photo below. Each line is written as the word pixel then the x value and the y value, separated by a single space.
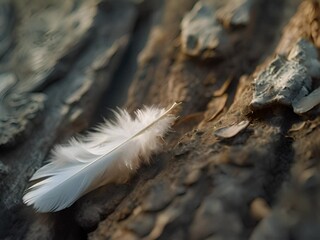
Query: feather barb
pixel 111 154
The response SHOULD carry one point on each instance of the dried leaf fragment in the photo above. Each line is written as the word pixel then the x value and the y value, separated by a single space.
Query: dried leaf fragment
pixel 259 208
pixel 219 92
pixel 307 103
pixel 297 127
pixel 231 131
pixel 215 107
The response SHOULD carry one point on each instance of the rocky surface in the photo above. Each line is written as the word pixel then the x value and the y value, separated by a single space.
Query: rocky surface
pixel 259 182
pixel 70 104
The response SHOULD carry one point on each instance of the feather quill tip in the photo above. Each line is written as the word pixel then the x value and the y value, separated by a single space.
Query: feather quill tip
pixel 110 154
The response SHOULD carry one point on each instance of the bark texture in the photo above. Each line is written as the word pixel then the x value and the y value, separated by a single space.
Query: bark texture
pixel 230 170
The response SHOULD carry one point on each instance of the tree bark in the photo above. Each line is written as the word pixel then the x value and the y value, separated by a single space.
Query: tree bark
pixel 230 170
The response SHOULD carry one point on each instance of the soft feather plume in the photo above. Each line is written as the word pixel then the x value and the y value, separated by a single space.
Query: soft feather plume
pixel 111 154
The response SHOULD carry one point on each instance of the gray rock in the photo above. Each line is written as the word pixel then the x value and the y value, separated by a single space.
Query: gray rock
pixel 202 29
pixel 17 110
pixel 142 224
pixel 6 26
pixel 213 220
pixel 305 53
pixel 235 13
pixel 4 170
pixel 153 202
pixel 48 35
pixel 201 33
pixel 89 73
pixel 282 82
pixel 288 81
pixel 271 228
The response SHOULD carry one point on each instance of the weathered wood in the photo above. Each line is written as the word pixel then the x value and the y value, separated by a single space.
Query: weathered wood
pixel 247 185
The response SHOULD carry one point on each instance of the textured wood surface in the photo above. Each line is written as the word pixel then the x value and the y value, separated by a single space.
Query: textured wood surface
pixel 229 170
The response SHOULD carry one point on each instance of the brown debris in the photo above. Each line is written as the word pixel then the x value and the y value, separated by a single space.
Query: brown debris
pixel 192 177
pixel 223 88
pixel 259 209
pixel 215 107
pixel 297 127
pixel 304 24
pixel 231 131
pixel 308 102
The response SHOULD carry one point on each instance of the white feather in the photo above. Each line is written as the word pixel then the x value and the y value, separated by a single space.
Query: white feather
pixel 112 154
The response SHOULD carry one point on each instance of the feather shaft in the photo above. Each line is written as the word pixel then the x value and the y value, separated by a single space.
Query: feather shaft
pixel 110 155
